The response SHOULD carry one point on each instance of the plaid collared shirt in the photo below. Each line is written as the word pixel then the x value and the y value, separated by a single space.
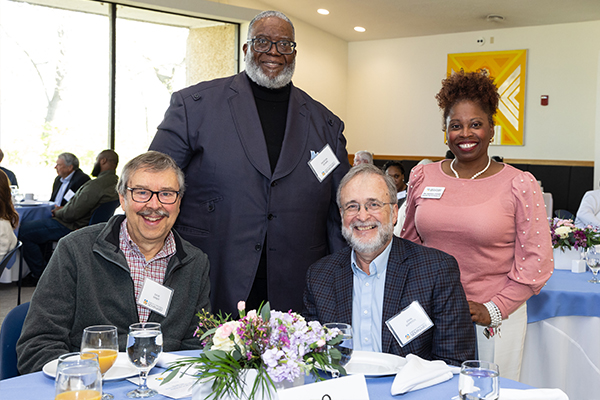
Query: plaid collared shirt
pixel 140 269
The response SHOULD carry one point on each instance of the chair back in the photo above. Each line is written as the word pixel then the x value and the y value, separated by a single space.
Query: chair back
pixel 8 256
pixel 9 334
pixel 564 214
pixel 104 212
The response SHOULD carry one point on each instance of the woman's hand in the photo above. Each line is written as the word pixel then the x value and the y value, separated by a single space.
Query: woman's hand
pixel 479 314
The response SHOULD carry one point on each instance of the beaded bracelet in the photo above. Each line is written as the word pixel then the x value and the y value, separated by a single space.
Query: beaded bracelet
pixel 496 317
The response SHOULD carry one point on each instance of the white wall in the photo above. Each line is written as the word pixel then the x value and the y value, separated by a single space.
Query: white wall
pixel 392 84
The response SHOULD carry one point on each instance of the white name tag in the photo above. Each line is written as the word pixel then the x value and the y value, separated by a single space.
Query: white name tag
pixel 155 297
pixel 431 192
pixel 323 163
pixel 409 323
pixel 69 195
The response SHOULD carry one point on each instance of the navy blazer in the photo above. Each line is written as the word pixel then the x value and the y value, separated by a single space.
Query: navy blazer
pixel 78 179
pixel 414 272
pixel 233 201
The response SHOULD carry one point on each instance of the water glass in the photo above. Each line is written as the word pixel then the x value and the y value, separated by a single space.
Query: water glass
pixel 478 380
pixel 78 377
pixel 345 346
pixel 144 346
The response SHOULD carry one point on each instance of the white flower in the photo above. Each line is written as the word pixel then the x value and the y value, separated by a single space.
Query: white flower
pixel 563 231
pixel 221 339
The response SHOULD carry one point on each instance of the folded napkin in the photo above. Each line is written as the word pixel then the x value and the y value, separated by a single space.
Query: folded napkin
pixel 532 394
pixel 419 374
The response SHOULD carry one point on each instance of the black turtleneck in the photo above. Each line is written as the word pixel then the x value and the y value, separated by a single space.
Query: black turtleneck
pixel 272 106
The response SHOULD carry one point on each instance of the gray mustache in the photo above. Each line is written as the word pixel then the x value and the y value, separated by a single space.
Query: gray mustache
pixel 153 213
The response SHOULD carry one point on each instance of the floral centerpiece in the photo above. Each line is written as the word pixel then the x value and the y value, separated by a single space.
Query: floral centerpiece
pixel 565 235
pixel 279 346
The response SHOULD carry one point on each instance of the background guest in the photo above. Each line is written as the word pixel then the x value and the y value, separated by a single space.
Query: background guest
pixel 9 218
pixel 76 214
pixel 490 217
pixel 363 157
pixel 395 169
pixel 11 176
pixel 589 210
pixel 69 179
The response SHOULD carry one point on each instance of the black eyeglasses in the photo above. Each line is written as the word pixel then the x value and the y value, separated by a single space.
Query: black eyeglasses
pixel 262 45
pixel 144 195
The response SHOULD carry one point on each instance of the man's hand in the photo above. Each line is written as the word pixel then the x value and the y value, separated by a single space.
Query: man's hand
pixel 56 209
pixel 479 314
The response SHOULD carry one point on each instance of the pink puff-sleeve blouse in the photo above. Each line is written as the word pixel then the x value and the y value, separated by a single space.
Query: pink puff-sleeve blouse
pixel 496 228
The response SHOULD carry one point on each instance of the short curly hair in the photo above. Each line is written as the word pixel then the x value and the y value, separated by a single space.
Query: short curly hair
pixel 477 87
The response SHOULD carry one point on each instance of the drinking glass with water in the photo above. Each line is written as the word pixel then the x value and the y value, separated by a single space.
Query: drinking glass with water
pixel 478 380
pixel 144 346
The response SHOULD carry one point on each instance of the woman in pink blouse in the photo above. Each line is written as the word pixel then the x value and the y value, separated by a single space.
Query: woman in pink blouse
pixel 490 216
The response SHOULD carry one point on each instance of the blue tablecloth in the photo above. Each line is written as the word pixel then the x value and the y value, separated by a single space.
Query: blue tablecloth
pixel 38 386
pixel 565 294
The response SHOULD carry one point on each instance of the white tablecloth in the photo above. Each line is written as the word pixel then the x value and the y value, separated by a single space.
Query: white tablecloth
pixel 564 352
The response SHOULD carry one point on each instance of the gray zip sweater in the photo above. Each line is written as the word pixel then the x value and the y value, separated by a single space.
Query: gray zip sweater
pixel 87 282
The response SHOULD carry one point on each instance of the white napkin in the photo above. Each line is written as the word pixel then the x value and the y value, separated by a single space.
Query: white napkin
pixel 350 387
pixel 532 394
pixel 419 374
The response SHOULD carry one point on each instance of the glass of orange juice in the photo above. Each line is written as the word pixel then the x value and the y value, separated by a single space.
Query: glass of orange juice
pixel 103 341
pixel 78 377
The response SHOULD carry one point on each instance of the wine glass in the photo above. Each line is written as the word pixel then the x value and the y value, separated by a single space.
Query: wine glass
pixel 144 345
pixel 478 380
pixel 78 377
pixel 345 346
pixel 103 341
pixel 593 261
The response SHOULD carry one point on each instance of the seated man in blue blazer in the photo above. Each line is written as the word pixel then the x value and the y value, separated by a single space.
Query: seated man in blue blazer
pixel 379 276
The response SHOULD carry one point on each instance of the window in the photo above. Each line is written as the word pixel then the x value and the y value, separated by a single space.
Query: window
pixel 55 74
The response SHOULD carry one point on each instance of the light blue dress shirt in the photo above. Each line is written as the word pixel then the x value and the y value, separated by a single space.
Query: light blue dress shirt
pixel 367 302
pixel 63 189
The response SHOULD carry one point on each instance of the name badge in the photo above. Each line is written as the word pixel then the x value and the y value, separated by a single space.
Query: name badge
pixel 431 192
pixel 323 163
pixel 155 297
pixel 69 195
pixel 409 323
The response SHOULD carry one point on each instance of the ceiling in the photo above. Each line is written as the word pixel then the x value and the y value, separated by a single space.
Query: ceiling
pixel 387 19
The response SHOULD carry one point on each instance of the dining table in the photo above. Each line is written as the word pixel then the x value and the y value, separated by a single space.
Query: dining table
pixel 38 385
pixel 561 346
pixel 28 211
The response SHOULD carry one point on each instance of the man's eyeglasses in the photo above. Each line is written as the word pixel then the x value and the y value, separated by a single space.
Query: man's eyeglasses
pixel 144 195
pixel 262 45
pixel 372 207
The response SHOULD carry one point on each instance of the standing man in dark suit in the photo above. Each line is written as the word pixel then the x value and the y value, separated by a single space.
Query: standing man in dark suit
pixel 11 175
pixel 382 278
pixel 254 204
pixel 69 179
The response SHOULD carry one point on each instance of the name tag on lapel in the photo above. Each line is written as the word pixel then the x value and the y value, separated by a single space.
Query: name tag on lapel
pixel 323 163
pixel 155 297
pixel 409 323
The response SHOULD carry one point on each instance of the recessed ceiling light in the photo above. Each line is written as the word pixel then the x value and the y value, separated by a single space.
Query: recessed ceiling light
pixel 359 29
pixel 323 11
pixel 495 18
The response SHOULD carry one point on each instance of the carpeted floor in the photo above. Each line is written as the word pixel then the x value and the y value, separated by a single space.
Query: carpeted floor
pixel 8 297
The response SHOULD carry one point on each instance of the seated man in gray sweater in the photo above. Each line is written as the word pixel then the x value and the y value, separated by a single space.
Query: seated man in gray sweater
pixel 102 274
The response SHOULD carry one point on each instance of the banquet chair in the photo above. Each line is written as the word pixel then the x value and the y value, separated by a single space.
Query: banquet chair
pixel 8 256
pixel 9 334
pixel 564 214
pixel 104 212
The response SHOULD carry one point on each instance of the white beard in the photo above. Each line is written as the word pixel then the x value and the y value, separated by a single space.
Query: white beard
pixel 258 76
pixel 384 235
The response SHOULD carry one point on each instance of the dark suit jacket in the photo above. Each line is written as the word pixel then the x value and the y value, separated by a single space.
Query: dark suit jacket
pixel 78 179
pixel 414 272
pixel 232 200
pixel 11 176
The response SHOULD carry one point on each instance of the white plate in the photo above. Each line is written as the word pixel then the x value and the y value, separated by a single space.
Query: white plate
pixel 123 368
pixel 30 203
pixel 371 363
